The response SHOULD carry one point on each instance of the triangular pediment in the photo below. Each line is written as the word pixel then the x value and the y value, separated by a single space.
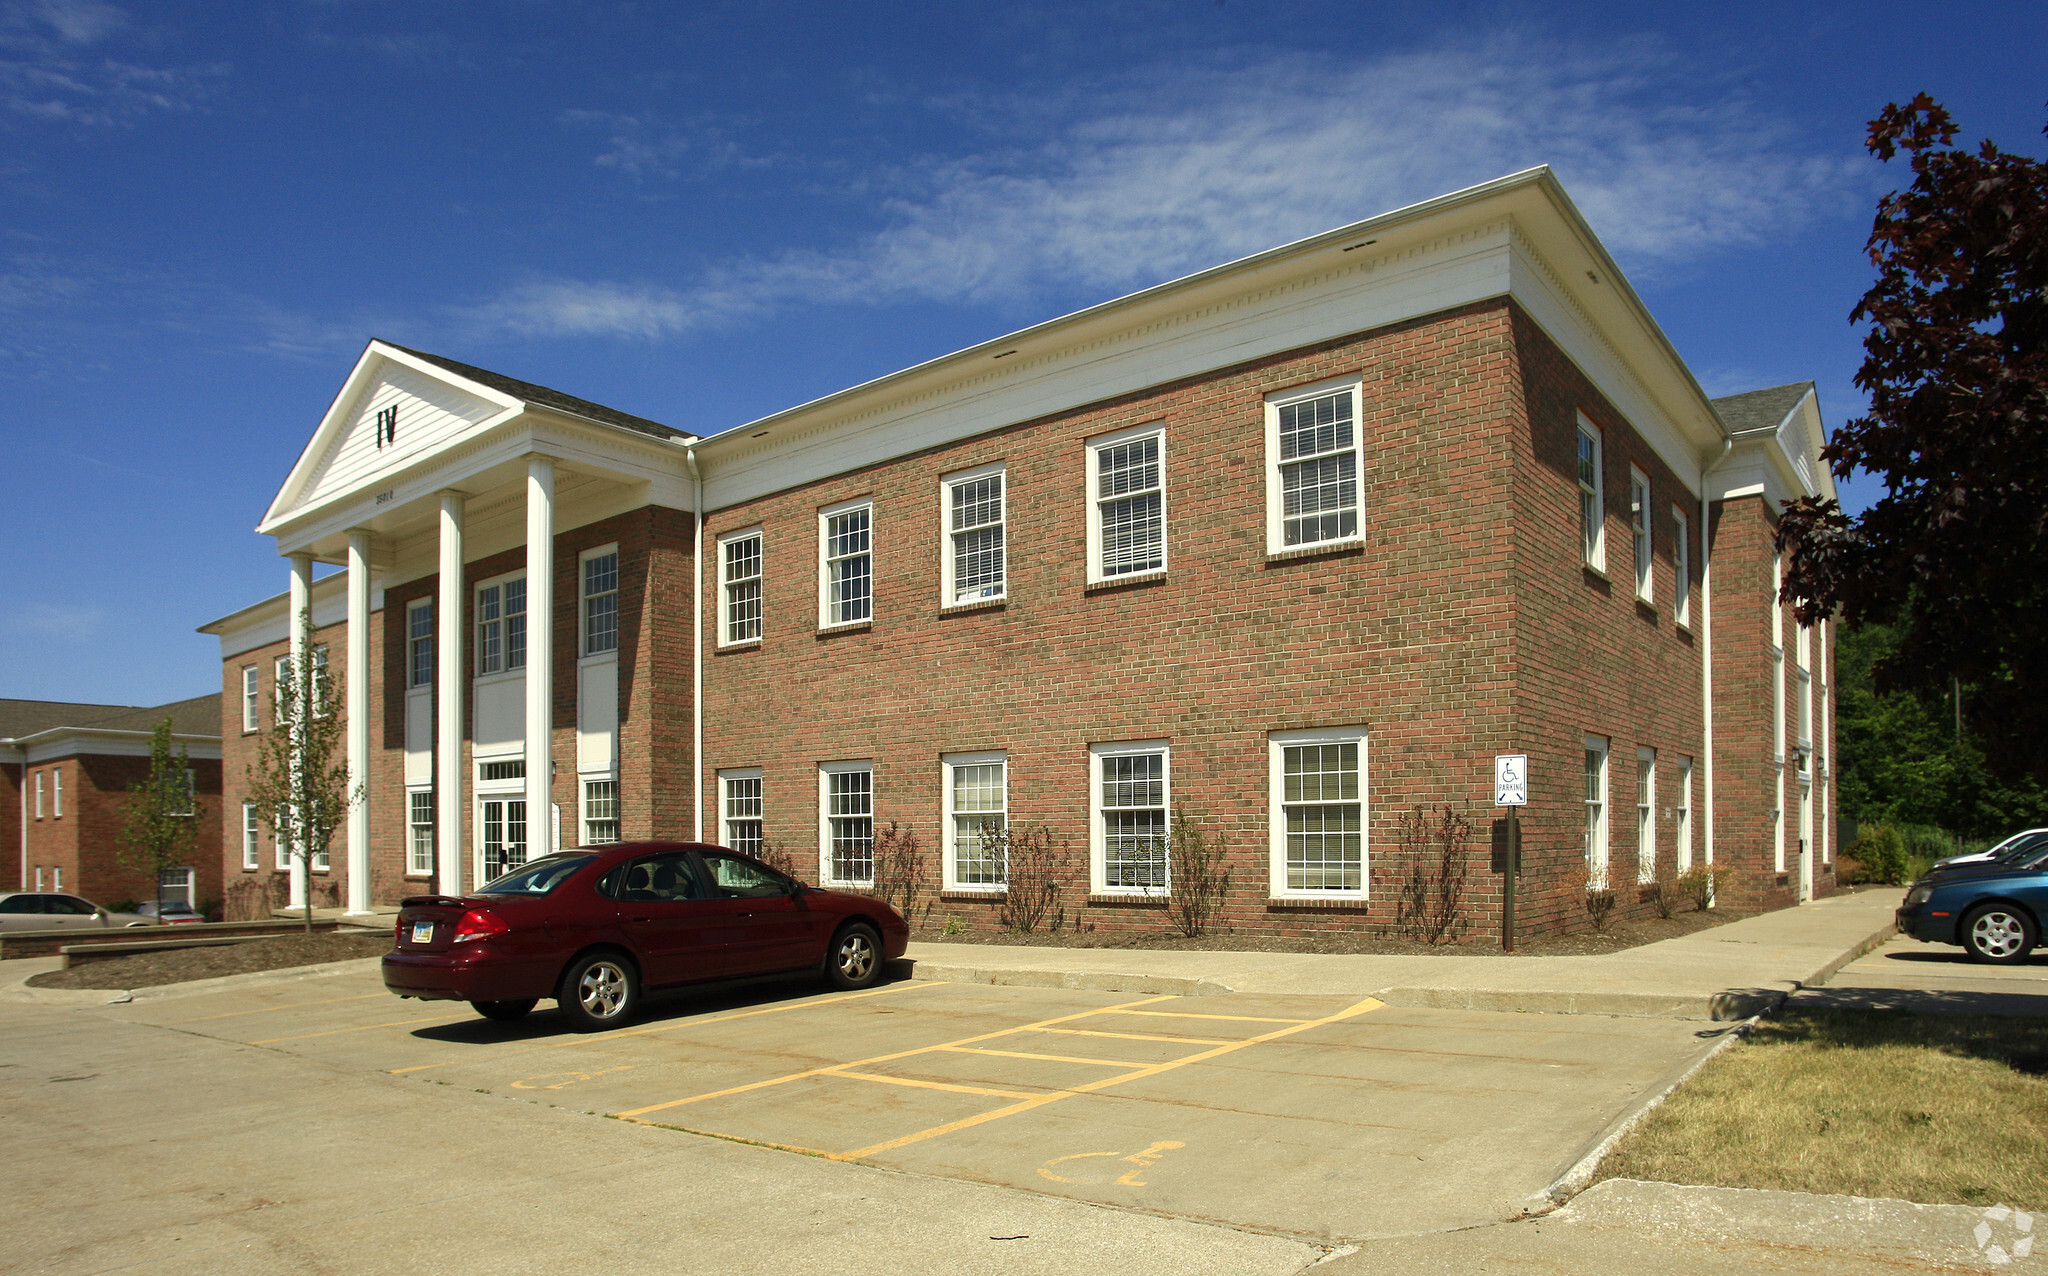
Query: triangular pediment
pixel 394 410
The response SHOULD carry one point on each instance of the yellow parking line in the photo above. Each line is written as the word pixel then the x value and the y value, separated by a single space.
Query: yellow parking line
pixel 1131 1036
pixel 268 1010
pixel 580 1040
pixel 1188 1014
pixel 1048 1058
pixel 1038 1101
pixel 882 1058
pixel 738 1138
pixel 336 1032
pixel 921 1084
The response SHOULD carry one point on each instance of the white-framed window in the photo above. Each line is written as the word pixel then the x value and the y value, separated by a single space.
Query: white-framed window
pixel 1681 567
pixel 188 794
pixel 281 674
pixel 58 876
pixel 1314 464
pixel 252 837
pixel 1639 526
pixel 39 877
pixel 1596 811
pixel 739 583
pixel 57 792
pixel 1127 503
pixel 977 811
pixel 740 800
pixel 419 643
pixel 975 559
pixel 175 886
pixel 1592 496
pixel 39 795
pixel 846 823
pixel 419 830
pixel 319 678
pixel 600 812
pixel 599 608
pixel 501 625
pixel 1318 813
pixel 322 858
pixel 846 564
pixel 1646 815
pixel 1681 816
pixel 282 846
pixel 1130 814
pixel 252 701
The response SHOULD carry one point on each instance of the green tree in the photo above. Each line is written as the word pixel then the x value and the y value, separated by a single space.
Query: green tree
pixel 299 782
pixel 161 826
pixel 1956 366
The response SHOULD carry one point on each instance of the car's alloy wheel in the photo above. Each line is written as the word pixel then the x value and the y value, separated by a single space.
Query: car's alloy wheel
pixel 1998 933
pixel 855 959
pixel 598 992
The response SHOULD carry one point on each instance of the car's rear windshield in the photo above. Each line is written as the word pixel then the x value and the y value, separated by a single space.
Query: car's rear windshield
pixel 536 877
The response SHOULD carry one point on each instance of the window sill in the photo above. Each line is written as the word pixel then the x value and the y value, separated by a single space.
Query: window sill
pixel 1339 904
pixel 1597 573
pixel 1155 899
pixel 849 627
pixel 1646 609
pixel 745 644
pixel 959 896
pixel 1356 545
pixel 502 675
pixel 979 604
pixel 1125 582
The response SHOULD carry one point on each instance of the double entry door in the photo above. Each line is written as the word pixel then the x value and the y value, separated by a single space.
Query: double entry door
pixel 501 824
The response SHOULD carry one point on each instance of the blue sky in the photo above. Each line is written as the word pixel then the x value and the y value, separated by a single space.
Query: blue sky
pixel 703 214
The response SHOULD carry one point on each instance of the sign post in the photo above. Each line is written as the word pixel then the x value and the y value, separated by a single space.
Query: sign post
pixel 1511 790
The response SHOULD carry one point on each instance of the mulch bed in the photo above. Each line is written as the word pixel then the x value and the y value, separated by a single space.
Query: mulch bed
pixel 152 970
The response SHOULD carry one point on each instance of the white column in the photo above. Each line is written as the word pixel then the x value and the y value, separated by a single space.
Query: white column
pixel 302 600
pixel 540 653
pixel 358 724
pixel 450 675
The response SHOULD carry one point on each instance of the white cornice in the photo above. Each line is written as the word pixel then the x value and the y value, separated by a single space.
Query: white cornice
pixel 65 742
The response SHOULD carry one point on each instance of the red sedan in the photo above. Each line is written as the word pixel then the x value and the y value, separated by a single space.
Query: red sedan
pixel 592 928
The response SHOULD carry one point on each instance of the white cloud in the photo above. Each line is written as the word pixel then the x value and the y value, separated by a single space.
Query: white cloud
pixel 52 620
pixel 1178 169
pixel 48 73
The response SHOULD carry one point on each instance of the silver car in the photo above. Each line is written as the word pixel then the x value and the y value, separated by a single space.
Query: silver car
pixel 2016 845
pixel 49 910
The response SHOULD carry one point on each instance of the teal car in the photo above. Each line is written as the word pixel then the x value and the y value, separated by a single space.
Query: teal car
pixel 1993 909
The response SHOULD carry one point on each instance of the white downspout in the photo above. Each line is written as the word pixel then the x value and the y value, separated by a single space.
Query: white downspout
pixel 697 653
pixel 24 819
pixel 1707 636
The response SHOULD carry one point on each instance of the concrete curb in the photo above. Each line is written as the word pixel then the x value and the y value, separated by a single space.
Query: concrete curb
pixel 19 991
pixel 1091 980
pixel 1574 1179
pixel 1720 1007
pixel 1876 939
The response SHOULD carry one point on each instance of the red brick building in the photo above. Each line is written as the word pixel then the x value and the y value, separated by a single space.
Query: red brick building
pixel 66 771
pixel 1288 548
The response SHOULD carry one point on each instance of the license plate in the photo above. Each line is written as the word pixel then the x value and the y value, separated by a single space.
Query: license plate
pixel 422 932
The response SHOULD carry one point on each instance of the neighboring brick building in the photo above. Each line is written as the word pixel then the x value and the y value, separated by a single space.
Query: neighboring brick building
pixel 68 769
pixel 1288 547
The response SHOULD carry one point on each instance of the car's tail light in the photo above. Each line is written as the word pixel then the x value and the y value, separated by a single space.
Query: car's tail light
pixel 398 931
pixel 478 924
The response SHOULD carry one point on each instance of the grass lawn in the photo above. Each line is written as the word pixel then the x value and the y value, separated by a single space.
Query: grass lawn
pixel 1942 1109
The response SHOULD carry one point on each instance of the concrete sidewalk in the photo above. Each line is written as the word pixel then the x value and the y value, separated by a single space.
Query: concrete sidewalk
pixel 1726 972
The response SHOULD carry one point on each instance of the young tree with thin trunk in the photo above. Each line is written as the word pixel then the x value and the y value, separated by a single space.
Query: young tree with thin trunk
pixel 161 827
pixel 299 782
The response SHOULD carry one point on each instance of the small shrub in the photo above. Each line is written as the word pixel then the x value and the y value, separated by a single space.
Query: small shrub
pixel 1663 893
pixel 1881 852
pixel 1435 844
pixel 1698 884
pixel 897 867
pixel 953 926
pixel 1196 876
pixel 1597 898
pixel 778 857
pixel 1032 859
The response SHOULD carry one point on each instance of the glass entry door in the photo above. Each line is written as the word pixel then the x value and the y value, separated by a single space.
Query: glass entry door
pixel 503 821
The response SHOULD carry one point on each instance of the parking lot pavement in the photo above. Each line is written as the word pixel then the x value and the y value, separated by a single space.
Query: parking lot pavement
pixel 1906 974
pixel 1333 1118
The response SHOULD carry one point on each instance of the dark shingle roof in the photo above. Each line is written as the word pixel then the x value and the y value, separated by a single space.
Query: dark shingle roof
pixel 1761 409
pixel 198 716
pixel 543 396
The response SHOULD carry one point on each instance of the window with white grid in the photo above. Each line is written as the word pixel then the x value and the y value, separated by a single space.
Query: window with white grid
pixel 977 812
pixel 739 567
pixel 501 625
pixel 281 674
pixel 1127 504
pixel 1596 811
pixel 847 833
pixel 1681 816
pixel 1319 813
pixel 975 555
pixel 419 643
pixel 600 812
pixel 1313 494
pixel 252 836
pixel 419 832
pixel 1639 526
pixel 251 699
pixel 740 806
pixel 846 589
pixel 1131 814
pixel 1681 567
pixel 1646 815
pixel 1592 496
pixel 600 601
pixel 320 685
